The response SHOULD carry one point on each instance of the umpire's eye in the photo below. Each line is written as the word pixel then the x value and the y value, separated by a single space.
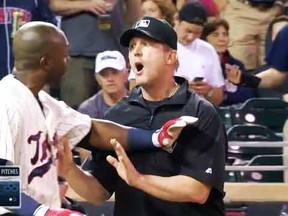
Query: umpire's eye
pixel 139 66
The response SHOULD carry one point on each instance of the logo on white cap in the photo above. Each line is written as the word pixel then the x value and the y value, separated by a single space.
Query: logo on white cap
pixel 142 23
pixel 110 59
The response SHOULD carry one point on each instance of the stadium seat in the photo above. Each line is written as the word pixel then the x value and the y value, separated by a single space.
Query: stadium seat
pixel 270 112
pixel 250 156
pixel 264 176
pixel 225 115
pixel 255 133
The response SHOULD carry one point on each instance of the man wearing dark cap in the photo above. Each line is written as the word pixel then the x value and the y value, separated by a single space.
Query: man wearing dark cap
pixel 186 180
pixel 189 26
pixel 193 55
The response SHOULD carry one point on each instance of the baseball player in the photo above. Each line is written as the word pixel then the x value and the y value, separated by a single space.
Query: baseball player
pixel 32 122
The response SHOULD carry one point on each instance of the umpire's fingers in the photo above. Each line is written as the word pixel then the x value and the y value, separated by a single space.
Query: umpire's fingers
pixel 112 161
pixel 120 152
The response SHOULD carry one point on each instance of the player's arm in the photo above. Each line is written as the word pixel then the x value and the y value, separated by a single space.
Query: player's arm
pixel 92 190
pixel 103 131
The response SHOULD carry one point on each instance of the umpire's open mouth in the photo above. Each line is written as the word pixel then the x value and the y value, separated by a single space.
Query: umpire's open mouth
pixel 139 67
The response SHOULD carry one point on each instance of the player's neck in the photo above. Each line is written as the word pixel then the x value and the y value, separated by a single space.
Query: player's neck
pixel 32 79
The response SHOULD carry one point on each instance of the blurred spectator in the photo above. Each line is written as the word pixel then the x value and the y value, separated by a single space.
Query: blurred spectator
pixel 14 14
pixel 189 26
pixel 275 26
pixel 248 20
pixel 91 27
pixel 111 74
pixel 217 34
pixel 211 6
pixel 161 9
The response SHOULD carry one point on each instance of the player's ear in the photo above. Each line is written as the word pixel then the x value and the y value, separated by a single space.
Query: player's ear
pixel 45 64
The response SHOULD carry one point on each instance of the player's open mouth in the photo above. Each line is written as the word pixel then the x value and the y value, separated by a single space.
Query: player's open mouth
pixel 139 67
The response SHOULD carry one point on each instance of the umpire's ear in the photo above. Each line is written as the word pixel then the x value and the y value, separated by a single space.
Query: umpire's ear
pixel 172 57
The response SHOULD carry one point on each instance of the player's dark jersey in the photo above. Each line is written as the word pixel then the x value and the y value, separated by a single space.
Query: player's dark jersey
pixel 13 14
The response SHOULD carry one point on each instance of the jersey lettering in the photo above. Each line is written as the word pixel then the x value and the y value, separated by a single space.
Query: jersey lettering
pixel 43 148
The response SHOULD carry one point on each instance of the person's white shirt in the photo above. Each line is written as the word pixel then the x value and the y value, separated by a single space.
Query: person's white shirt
pixel 199 59
pixel 190 65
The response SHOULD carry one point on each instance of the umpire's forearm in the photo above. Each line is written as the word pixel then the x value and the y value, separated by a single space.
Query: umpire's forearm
pixel 102 131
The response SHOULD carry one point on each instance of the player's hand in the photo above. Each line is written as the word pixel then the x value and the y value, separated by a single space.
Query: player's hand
pixel 123 165
pixel 65 158
pixel 171 130
pixel 46 211
pixel 233 74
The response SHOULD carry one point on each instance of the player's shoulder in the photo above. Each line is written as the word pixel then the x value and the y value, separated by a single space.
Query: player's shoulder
pixel 45 97
pixel 11 92
pixel 7 83
pixel 52 102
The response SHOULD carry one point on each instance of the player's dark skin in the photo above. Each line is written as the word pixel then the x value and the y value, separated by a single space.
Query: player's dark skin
pixel 41 54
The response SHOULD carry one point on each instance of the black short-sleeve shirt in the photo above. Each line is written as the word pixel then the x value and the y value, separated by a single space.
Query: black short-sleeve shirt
pixel 199 153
